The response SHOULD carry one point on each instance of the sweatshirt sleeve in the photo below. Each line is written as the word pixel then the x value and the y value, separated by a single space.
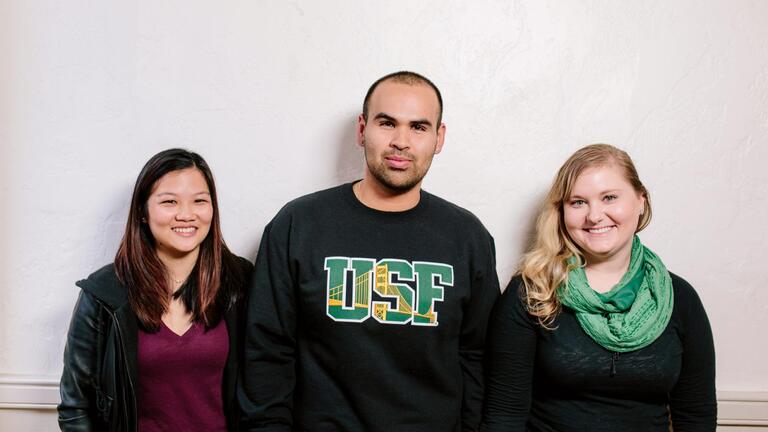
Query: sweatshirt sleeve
pixel 693 401
pixel 484 292
pixel 511 353
pixel 267 381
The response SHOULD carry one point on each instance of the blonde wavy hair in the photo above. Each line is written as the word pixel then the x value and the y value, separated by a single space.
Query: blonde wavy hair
pixel 545 266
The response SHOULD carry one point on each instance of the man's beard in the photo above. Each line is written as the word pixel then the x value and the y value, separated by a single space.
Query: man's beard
pixel 395 182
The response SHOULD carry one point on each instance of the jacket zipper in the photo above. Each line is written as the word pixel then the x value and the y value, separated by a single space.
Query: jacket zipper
pixel 614 359
pixel 125 360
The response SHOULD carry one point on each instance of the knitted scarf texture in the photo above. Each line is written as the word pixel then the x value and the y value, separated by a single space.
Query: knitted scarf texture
pixel 633 313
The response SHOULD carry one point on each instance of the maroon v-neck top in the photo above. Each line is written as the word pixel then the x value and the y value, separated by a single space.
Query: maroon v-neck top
pixel 180 379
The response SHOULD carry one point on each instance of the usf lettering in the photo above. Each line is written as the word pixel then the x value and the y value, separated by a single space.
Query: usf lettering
pixel 393 291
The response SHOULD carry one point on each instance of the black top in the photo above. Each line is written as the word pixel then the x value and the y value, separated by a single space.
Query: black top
pixel 562 380
pixel 364 320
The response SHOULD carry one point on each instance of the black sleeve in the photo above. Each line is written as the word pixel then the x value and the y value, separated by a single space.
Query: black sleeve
pixel 511 352
pixel 265 388
pixel 80 360
pixel 693 401
pixel 485 291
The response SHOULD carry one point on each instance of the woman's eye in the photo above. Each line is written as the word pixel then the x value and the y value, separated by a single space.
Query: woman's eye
pixel 578 203
pixel 610 197
pixel 168 202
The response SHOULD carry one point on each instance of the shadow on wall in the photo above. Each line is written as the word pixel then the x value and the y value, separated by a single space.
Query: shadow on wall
pixel 532 212
pixel 114 222
pixel 521 243
pixel 350 156
pixel 98 247
pixel 347 166
pixel 253 249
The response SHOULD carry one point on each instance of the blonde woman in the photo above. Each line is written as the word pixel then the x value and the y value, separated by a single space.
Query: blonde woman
pixel 594 333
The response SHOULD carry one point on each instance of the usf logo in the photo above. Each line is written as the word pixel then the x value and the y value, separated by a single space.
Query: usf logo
pixel 393 291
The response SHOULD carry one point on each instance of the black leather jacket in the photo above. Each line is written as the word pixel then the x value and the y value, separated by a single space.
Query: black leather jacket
pixel 100 378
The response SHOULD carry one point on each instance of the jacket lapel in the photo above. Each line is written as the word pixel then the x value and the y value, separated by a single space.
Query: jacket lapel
pixel 129 332
pixel 229 381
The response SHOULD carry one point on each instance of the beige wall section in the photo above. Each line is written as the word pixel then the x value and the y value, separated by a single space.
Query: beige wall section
pixel 28 420
pixel 268 92
pixel 28 404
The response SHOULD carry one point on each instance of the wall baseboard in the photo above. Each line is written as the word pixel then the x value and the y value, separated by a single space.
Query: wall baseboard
pixel 742 408
pixel 25 392
pixel 735 408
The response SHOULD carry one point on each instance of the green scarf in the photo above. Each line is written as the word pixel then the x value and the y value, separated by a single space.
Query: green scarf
pixel 633 313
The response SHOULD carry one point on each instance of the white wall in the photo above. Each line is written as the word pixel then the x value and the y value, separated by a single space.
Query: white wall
pixel 268 92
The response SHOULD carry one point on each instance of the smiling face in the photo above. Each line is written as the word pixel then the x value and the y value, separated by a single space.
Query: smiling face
pixel 179 213
pixel 401 134
pixel 602 212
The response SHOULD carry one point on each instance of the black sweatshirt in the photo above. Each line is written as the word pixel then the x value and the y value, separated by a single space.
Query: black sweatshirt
pixel 562 380
pixel 363 320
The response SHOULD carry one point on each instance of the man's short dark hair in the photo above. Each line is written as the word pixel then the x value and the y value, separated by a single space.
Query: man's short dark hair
pixel 405 77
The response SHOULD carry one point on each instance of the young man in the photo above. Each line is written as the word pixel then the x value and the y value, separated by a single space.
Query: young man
pixel 368 306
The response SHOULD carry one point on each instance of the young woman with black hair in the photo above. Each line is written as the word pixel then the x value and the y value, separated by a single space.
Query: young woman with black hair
pixel 154 336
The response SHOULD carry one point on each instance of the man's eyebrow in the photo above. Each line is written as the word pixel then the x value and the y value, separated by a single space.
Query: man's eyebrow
pixel 383 116
pixel 423 122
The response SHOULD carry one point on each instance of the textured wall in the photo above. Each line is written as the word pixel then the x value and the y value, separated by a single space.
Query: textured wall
pixel 268 92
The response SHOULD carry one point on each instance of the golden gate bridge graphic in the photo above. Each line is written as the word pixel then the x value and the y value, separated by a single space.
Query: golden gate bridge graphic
pixel 382 311
pixel 362 290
